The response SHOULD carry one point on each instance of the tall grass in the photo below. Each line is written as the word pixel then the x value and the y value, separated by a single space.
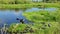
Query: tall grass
pixel 43 16
pixel 37 28
pixel 44 22
pixel 51 18
pixel 40 5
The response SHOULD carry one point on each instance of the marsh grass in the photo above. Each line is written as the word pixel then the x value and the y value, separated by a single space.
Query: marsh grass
pixel 40 5
pixel 40 25
pixel 37 28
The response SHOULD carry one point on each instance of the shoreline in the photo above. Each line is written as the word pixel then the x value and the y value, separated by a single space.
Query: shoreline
pixel 18 6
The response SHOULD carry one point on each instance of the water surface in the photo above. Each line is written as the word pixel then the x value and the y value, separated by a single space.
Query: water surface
pixel 9 16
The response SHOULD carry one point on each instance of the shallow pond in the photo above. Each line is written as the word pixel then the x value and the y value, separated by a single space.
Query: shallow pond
pixel 9 16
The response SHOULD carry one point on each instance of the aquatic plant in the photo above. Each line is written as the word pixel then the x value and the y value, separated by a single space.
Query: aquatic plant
pixel 45 22
pixel 39 5
pixel 37 28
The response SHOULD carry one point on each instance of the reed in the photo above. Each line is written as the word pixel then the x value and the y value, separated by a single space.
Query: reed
pixel 40 5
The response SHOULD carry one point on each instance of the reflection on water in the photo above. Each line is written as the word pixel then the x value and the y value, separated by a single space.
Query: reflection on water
pixel 9 16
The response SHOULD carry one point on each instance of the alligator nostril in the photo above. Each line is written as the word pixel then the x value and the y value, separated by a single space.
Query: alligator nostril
pixel 17 19
pixel 21 20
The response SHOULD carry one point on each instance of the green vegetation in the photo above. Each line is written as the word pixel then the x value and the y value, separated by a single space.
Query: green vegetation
pixel 12 4
pixel 47 17
pixel 43 16
pixel 37 28
pixel 45 22
pixel 39 5
pixel 26 1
